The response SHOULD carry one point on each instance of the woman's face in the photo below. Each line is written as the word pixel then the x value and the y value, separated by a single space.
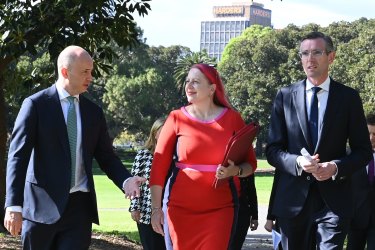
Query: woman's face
pixel 197 87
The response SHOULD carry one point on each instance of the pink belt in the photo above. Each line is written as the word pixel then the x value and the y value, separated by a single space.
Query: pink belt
pixel 197 167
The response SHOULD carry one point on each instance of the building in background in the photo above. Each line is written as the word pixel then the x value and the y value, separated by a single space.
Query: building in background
pixel 229 22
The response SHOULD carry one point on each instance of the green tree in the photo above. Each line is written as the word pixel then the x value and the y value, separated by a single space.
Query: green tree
pixel 135 103
pixel 159 94
pixel 54 24
pixel 355 61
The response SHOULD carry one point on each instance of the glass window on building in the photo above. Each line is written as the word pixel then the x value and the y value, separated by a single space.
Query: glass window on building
pixel 217 26
pixel 222 25
pixel 217 36
pixel 243 25
pixel 207 38
pixel 222 36
pixel 227 37
pixel 212 26
pixel 212 36
pixel 207 27
pixel 238 25
pixel 227 26
pixel 232 34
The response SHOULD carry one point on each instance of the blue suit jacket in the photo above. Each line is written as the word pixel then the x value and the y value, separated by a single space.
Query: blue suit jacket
pixel 39 168
pixel 343 122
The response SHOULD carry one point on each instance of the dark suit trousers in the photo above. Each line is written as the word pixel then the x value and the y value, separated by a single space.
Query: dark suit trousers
pixel 242 226
pixel 72 231
pixel 357 238
pixel 316 227
pixel 149 238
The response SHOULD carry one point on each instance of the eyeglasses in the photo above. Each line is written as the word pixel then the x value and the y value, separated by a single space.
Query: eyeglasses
pixel 313 53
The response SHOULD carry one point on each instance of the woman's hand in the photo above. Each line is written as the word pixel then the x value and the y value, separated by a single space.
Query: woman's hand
pixel 136 215
pixel 224 172
pixel 157 220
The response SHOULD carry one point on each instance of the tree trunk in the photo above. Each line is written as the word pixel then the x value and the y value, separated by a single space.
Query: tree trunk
pixel 3 150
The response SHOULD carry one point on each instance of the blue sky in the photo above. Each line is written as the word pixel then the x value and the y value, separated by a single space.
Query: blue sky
pixel 177 22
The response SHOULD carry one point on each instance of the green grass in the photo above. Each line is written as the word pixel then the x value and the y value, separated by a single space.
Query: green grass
pixel 263 164
pixel 263 184
pixel 113 210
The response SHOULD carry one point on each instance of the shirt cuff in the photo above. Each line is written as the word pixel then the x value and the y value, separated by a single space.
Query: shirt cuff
pixel 298 167
pixel 337 171
pixel 14 209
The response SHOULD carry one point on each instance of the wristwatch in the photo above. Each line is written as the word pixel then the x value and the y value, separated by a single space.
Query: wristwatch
pixel 240 170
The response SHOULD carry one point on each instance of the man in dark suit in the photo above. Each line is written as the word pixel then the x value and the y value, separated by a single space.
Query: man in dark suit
pixel 312 197
pixel 50 194
pixel 362 228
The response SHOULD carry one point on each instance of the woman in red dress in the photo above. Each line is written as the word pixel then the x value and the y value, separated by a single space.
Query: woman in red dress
pixel 194 214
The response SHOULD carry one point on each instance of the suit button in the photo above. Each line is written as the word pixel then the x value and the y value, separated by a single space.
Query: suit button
pixel 308 178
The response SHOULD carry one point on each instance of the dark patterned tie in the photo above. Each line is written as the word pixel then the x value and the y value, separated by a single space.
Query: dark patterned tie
pixel 371 171
pixel 72 134
pixel 314 115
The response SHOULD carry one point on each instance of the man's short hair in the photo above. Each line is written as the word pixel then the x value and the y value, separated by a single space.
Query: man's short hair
pixel 316 35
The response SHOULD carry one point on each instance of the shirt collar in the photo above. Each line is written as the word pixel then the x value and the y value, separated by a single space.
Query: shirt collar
pixel 63 94
pixel 324 85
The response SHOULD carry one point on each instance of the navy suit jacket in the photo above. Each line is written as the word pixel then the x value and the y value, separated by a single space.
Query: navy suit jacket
pixel 343 122
pixel 39 167
pixel 363 200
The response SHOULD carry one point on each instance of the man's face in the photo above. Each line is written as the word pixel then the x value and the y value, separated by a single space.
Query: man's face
pixel 80 75
pixel 316 60
pixel 371 131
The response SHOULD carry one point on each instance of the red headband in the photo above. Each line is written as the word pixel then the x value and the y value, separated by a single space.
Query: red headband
pixel 213 76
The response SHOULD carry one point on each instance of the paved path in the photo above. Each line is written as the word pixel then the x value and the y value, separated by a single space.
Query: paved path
pixel 259 239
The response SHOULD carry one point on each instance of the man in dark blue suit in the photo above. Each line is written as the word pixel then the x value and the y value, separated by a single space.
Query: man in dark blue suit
pixel 50 194
pixel 312 198
pixel 362 227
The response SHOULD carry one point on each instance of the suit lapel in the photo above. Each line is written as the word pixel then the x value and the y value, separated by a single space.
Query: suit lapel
pixel 56 114
pixel 299 99
pixel 333 103
pixel 85 116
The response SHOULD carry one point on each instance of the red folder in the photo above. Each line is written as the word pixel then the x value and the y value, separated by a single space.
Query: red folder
pixel 238 147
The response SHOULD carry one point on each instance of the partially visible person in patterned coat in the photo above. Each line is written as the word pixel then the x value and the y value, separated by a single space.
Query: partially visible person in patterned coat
pixel 140 207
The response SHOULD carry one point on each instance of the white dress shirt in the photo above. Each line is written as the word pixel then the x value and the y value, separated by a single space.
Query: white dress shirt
pixel 322 100
pixel 81 177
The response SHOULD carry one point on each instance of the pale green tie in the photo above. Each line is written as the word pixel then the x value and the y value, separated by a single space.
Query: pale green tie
pixel 72 134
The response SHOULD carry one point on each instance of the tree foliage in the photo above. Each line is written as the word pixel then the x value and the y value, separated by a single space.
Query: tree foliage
pixel 144 88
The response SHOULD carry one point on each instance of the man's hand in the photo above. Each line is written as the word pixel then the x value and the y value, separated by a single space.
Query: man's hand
pixel 131 187
pixel 325 171
pixel 269 225
pixel 309 166
pixel 253 224
pixel 13 222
